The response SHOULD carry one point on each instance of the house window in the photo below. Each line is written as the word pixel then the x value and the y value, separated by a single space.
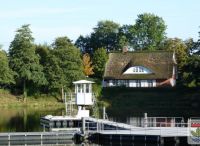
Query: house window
pixel 127 83
pixel 114 82
pixel 150 83
pixel 138 83
pixel 123 83
pixel 136 69
pixel 141 69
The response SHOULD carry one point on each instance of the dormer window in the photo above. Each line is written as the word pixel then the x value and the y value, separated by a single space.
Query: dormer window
pixel 137 70
pixel 141 69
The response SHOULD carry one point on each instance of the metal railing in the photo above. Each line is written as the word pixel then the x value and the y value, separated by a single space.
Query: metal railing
pixel 99 126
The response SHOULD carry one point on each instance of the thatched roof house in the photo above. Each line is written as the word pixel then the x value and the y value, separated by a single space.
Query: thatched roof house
pixel 140 69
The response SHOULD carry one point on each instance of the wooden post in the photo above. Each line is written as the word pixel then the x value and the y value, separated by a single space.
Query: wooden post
pixel 65 103
pixel 104 113
pixel 162 140
pixel 43 128
pixel 97 125
pixel 83 125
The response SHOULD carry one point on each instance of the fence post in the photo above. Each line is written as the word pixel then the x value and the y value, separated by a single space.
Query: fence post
pixel 83 125
pixel 145 120
pixel 104 113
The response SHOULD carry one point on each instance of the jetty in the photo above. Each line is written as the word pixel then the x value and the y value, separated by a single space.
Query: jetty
pixel 39 138
pixel 150 129
pixel 80 127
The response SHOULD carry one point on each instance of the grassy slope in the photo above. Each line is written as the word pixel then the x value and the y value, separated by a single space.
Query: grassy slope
pixel 8 100
pixel 156 101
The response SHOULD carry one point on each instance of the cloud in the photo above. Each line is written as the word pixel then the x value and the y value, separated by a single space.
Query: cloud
pixel 36 12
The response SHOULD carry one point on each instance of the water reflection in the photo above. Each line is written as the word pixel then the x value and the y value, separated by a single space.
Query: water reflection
pixel 24 119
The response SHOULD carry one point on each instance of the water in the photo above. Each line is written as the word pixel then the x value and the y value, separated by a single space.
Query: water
pixel 24 119
pixel 28 120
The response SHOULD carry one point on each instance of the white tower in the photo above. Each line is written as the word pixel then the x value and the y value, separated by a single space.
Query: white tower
pixel 83 96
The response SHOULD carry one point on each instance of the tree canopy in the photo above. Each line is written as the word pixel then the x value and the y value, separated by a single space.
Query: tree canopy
pixel 87 65
pixel 6 74
pixel 99 61
pixel 179 47
pixel 191 71
pixel 23 59
pixel 148 32
pixel 64 64
pixel 105 35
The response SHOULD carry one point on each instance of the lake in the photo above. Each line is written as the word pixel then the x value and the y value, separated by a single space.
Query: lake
pixel 28 120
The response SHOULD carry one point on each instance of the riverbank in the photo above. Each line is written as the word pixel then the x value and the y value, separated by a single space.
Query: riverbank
pixel 8 100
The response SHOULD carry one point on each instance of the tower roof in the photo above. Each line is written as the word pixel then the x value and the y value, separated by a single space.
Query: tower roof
pixel 83 82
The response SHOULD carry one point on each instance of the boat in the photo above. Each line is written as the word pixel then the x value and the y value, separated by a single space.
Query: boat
pixel 84 98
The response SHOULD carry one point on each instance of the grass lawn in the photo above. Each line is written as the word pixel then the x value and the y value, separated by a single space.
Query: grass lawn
pixel 7 100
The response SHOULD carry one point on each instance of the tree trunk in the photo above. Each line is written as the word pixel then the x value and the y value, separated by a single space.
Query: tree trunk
pixel 24 90
pixel 62 94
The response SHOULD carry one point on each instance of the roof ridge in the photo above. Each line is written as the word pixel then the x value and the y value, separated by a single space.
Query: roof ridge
pixel 156 51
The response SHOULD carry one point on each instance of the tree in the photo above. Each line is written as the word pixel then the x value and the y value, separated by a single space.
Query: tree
pixel 6 74
pixel 99 61
pixel 124 36
pixel 87 65
pixel 191 74
pixel 196 48
pixel 64 65
pixel 24 61
pixel 84 44
pixel 179 47
pixel 190 45
pixel 42 51
pixel 105 35
pixel 148 32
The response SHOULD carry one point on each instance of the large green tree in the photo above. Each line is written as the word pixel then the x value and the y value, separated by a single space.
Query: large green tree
pixel 6 74
pixel 105 35
pixel 148 32
pixel 24 61
pixel 99 60
pixel 64 65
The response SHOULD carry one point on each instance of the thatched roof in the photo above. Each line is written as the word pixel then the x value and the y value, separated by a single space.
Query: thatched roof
pixel 159 62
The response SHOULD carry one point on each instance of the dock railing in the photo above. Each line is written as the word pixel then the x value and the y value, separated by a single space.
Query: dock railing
pixel 101 126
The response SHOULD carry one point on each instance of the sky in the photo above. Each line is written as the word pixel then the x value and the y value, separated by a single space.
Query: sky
pixel 54 18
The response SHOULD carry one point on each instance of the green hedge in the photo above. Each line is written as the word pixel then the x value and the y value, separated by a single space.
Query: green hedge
pixel 155 101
